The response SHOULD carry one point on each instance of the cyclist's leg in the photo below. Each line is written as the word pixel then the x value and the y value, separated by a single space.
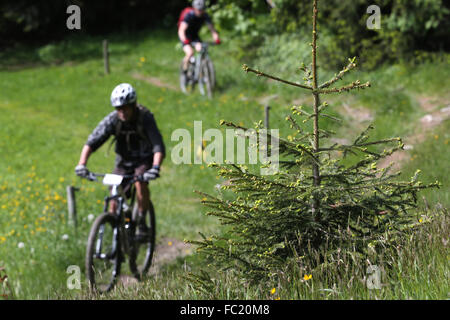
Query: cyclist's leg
pixel 198 45
pixel 188 53
pixel 142 191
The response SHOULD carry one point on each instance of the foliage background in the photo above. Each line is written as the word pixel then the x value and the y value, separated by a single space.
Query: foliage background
pixel 409 29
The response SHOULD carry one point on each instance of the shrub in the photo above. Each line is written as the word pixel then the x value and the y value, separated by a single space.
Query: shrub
pixel 316 203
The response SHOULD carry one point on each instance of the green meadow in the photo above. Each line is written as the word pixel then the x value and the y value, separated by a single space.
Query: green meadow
pixel 52 97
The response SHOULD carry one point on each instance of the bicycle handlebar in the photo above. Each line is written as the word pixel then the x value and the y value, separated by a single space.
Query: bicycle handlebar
pixel 92 176
pixel 207 43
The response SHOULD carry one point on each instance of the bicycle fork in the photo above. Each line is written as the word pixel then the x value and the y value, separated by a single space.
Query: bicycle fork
pixel 99 244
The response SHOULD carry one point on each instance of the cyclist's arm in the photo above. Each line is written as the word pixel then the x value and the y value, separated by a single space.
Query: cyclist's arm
pixel 214 32
pixel 211 28
pixel 85 154
pixel 103 131
pixel 182 31
pixel 158 158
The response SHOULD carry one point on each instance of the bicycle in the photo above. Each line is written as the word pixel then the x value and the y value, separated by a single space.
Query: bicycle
pixel 200 71
pixel 113 235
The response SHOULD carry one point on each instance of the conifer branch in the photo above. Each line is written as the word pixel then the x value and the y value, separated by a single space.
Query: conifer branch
pixel 294 123
pixel 354 85
pixel 341 74
pixel 259 73
pixel 342 147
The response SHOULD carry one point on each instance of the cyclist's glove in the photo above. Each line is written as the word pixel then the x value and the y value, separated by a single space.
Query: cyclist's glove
pixel 82 171
pixel 151 174
pixel 186 41
pixel 218 41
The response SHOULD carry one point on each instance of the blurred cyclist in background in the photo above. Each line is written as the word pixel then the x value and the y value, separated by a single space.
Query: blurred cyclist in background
pixel 189 24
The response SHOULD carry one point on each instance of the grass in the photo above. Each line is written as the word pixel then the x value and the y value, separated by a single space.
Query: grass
pixel 52 98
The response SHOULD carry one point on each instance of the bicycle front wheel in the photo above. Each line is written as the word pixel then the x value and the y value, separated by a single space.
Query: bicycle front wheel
pixel 187 82
pixel 103 255
pixel 207 78
pixel 141 251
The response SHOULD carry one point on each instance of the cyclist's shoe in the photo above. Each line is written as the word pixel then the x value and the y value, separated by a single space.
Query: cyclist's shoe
pixel 142 231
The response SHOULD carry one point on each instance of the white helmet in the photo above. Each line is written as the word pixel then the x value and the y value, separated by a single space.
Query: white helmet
pixel 199 4
pixel 123 94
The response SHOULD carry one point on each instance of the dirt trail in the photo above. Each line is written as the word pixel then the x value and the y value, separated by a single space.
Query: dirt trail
pixel 154 81
pixel 424 126
pixel 167 251
pixel 360 117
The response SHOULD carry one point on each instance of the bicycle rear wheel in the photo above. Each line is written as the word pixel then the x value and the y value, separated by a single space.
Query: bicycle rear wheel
pixel 103 255
pixel 141 251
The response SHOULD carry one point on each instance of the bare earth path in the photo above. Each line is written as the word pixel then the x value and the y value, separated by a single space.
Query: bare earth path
pixel 425 125
pixel 154 81
pixel 167 251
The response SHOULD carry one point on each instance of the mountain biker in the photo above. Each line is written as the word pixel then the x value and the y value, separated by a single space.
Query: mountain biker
pixel 139 145
pixel 191 20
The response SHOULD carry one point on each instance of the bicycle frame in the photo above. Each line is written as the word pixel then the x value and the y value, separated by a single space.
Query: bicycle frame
pixel 199 57
pixel 119 236
pixel 115 232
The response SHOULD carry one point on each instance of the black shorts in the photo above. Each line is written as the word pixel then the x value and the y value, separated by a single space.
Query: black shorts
pixel 137 170
pixel 193 41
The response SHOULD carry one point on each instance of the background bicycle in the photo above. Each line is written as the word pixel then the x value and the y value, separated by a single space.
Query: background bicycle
pixel 200 72
pixel 113 235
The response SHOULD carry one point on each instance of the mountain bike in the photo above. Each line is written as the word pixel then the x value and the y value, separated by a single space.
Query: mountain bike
pixel 113 235
pixel 200 72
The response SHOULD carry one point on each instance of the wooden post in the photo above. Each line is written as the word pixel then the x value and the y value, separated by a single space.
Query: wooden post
pixel 266 118
pixel 71 204
pixel 106 56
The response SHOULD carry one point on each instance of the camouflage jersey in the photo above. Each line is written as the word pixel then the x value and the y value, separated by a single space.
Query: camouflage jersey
pixel 137 140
